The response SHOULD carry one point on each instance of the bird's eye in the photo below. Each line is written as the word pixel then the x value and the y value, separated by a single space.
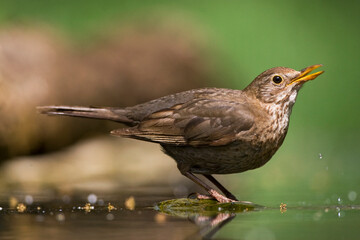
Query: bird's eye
pixel 277 79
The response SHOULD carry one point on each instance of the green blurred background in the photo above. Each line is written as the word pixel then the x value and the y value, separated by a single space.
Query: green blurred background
pixel 319 160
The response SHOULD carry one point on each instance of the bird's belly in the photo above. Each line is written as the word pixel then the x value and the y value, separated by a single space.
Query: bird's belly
pixel 233 158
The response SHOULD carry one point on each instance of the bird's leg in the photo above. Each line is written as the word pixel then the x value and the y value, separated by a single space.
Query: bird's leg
pixel 220 186
pixel 211 191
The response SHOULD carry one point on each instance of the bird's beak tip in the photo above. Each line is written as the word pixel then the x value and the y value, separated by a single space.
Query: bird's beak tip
pixel 305 76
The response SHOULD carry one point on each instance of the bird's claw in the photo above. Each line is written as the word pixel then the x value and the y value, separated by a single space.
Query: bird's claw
pixel 214 195
pixel 220 198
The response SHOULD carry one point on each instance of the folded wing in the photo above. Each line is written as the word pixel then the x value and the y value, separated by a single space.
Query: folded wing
pixel 196 123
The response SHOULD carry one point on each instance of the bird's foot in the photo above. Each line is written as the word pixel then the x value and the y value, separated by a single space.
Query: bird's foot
pixel 204 197
pixel 201 196
pixel 214 195
pixel 219 197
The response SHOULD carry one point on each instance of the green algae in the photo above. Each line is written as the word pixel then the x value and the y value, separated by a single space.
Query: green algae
pixel 185 207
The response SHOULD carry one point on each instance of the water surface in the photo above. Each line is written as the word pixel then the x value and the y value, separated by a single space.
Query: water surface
pixel 114 216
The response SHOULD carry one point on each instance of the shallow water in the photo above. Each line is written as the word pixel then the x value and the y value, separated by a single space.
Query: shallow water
pixel 74 217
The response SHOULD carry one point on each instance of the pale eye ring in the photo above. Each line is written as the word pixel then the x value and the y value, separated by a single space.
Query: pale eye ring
pixel 277 79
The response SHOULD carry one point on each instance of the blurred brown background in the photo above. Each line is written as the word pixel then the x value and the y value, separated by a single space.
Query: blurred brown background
pixel 136 62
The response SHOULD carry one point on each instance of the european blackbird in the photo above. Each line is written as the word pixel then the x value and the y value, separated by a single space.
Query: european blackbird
pixel 211 130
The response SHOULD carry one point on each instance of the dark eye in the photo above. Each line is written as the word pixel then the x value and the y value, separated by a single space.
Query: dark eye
pixel 277 79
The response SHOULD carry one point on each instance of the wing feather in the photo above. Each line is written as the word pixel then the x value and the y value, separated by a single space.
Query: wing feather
pixel 195 123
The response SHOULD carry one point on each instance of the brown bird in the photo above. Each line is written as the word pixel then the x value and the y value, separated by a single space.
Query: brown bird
pixel 211 130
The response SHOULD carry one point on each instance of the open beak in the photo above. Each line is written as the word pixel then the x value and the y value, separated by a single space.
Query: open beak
pixel 304 77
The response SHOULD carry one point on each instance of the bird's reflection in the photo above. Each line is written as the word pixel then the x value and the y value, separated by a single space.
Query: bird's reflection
pixel 209 215
pixel 210 225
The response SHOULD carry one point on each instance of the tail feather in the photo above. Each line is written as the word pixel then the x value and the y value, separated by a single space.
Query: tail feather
pixel 87 112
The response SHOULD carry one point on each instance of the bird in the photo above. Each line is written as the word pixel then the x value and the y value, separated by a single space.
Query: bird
pixel 211 130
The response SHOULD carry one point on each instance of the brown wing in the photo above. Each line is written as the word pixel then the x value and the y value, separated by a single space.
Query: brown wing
pixel 196 123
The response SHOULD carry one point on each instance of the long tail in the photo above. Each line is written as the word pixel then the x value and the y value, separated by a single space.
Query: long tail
pixel 112 114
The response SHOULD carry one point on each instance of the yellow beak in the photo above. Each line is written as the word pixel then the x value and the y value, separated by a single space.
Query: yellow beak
pixel 303 77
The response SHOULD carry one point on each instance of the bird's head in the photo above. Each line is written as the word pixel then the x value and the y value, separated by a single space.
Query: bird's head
pixel 280 84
